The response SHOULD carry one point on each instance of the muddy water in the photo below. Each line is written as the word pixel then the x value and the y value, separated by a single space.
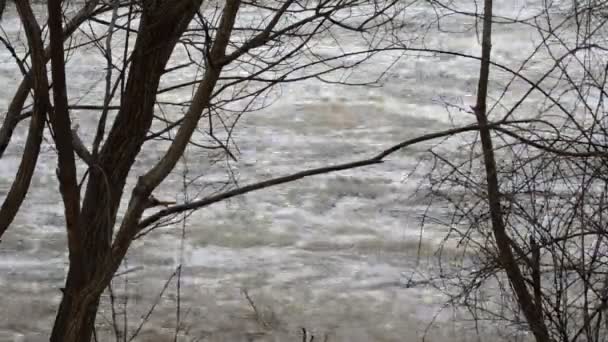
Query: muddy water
pixel 328 254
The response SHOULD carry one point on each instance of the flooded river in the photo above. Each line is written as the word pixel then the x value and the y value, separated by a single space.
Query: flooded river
pixel 331 254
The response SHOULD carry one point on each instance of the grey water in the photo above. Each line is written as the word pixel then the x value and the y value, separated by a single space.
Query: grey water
pixel 329 254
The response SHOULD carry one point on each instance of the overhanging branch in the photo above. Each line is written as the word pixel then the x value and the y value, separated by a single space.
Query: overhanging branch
pixel 377 159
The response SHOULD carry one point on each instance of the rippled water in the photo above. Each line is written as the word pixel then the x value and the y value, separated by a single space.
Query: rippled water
pixel 328 253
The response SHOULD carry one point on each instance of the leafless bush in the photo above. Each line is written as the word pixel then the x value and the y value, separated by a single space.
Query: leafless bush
pixel 529 201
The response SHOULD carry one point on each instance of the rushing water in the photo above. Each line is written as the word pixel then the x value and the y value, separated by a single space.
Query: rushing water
pixel 328 254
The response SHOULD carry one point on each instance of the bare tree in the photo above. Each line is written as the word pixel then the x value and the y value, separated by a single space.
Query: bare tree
pixel 534 217
pixel 533 223
pixel 238 62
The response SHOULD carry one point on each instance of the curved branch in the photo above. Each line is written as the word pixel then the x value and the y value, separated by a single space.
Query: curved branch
pixel 14 110
pixel 377 159
pixel 22 181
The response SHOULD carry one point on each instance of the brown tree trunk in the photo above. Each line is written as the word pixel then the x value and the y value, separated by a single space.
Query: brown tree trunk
pixel 158 34
pixel 73 323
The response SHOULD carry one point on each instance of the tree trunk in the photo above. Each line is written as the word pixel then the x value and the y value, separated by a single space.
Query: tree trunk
pixel 75 320
pixel 503 241
pixel 158 34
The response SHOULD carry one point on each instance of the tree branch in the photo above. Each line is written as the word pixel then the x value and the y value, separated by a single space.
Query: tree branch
pixel 22 181
pixel 16 105
pixel 505 254
pixel 60 120
pixel 377 159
